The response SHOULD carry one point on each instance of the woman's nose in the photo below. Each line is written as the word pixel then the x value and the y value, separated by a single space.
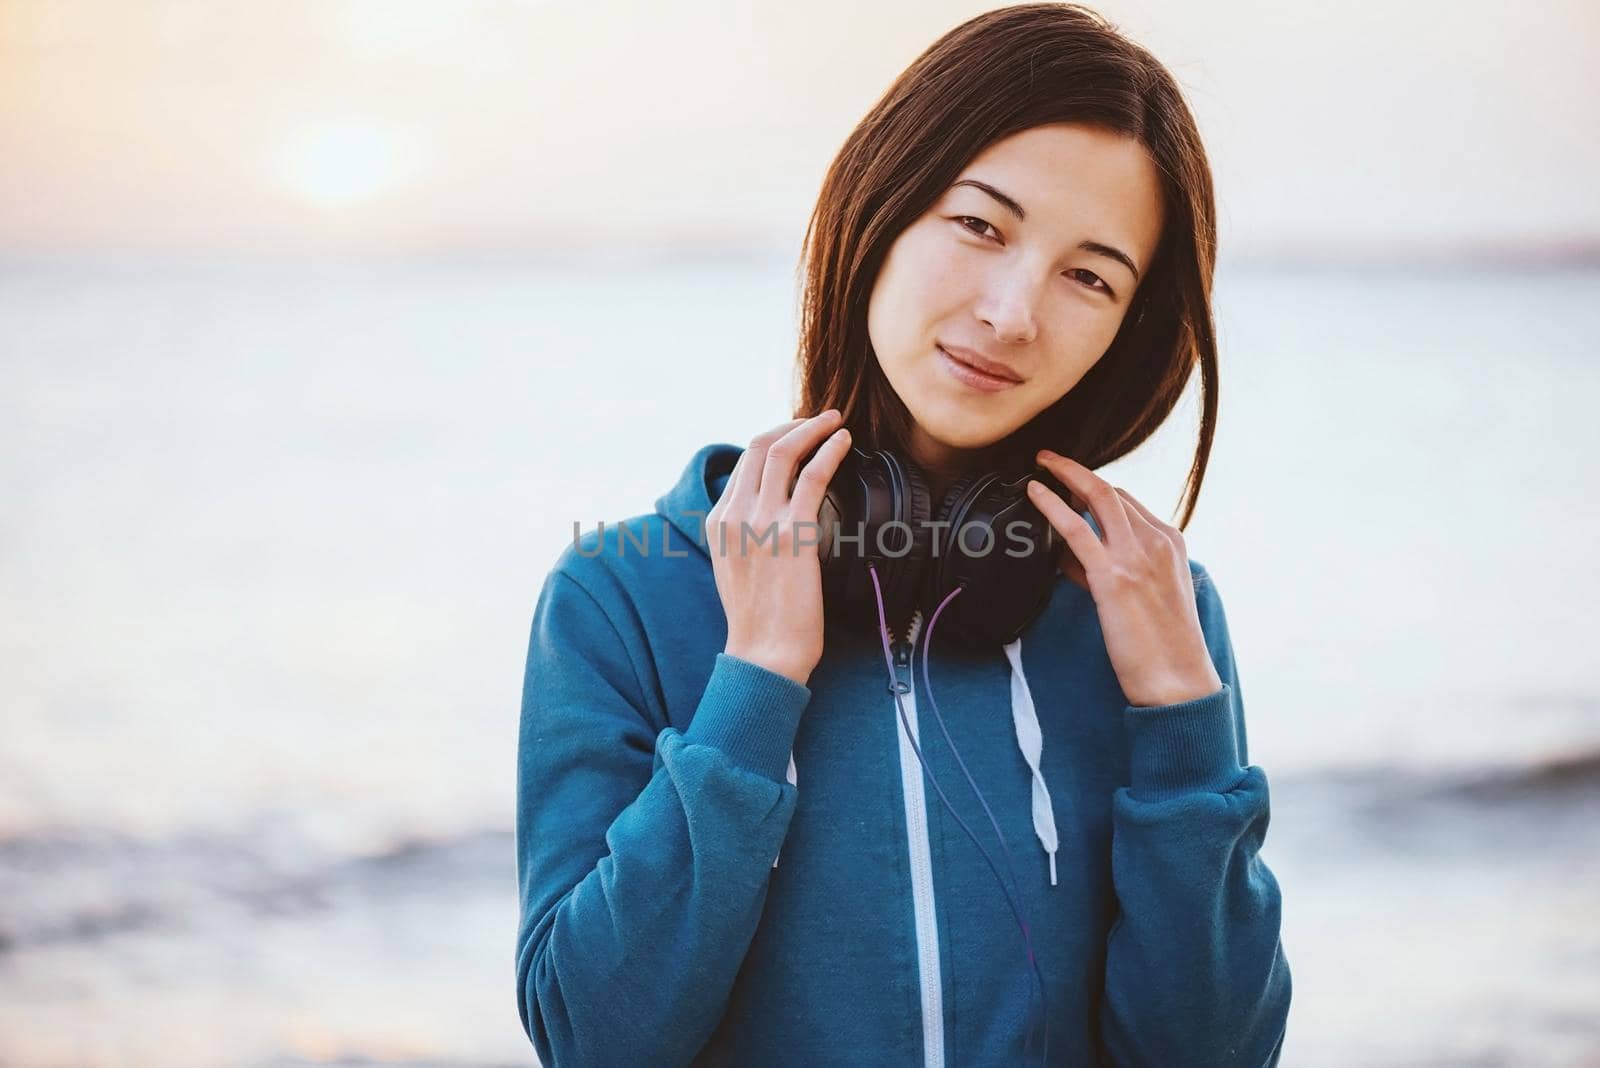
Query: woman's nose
pixel 1008 307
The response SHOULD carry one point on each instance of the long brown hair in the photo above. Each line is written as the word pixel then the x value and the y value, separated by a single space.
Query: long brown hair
pixel 993 76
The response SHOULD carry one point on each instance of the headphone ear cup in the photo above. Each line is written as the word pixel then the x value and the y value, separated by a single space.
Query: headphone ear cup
pixel 1007 563
pixel 943 529
pixel 875 511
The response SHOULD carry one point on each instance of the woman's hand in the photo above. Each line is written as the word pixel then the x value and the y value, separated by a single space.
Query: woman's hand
pixel 763 543
pixel 1140 581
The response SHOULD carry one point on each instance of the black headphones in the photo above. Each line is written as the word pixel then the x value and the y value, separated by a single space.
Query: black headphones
pixel 985 536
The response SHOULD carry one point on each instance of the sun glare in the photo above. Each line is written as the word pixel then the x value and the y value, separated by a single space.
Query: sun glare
pixel 341 164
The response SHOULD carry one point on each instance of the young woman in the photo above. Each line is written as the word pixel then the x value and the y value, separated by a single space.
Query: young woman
pixel 747 831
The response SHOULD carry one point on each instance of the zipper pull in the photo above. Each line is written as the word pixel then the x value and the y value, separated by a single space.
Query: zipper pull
pixel 902 653
pixel 900 648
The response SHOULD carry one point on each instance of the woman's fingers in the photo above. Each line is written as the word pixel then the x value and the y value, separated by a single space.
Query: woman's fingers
pixel 1071 568
pixel 1087 549
pixel 812 484
pixel 1162 528
pixel 1094 491
pixel 745 482
pixel 784 457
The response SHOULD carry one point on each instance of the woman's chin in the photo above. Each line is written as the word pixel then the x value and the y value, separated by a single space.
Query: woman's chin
pixel 966 434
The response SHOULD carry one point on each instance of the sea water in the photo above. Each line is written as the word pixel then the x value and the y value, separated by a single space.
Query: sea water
pixel 273 536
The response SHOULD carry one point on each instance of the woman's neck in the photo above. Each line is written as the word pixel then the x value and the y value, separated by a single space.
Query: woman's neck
pixel 942 464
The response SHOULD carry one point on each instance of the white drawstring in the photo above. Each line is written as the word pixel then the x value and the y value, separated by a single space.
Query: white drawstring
pixel 1030 740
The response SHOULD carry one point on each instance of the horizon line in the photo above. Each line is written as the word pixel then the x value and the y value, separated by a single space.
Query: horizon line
pixel 1297 254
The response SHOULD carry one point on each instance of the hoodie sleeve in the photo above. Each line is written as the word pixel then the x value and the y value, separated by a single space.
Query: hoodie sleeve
pixel 642 857
pixel 1195 970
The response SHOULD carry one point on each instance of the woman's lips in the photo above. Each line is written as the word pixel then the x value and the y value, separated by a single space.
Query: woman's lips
pixel 970 376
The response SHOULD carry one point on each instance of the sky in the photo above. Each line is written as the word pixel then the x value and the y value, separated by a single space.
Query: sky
pixel 307 127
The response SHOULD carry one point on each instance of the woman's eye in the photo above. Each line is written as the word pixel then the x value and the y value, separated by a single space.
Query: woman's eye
pixel 1084 276
pixel 965 219
pixel 1090 279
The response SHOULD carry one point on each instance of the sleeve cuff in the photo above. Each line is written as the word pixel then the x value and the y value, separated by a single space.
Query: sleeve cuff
pixel 751 714
pixel 1184 748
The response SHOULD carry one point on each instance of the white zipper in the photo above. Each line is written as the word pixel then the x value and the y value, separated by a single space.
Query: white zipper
pixel 921 869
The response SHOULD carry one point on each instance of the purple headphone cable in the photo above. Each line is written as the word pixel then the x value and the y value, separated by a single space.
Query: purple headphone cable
pixel 1016 911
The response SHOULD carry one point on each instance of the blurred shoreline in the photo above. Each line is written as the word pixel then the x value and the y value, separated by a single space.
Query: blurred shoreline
pixel 1356 857
pixel 1447 258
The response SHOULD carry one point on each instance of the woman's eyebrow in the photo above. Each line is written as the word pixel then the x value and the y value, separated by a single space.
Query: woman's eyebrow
pixel 1097 247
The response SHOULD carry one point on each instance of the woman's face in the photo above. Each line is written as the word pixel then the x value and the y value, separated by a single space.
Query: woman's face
pixel 1028 274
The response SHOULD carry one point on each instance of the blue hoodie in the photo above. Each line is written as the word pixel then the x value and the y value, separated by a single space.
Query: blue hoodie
pixel 718 865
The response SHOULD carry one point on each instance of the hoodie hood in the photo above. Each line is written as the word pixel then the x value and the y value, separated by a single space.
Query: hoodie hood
pixel 685 505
